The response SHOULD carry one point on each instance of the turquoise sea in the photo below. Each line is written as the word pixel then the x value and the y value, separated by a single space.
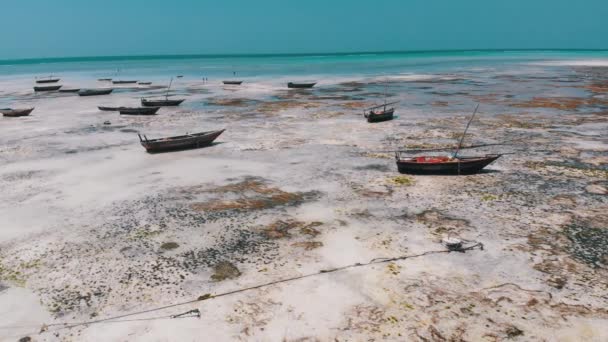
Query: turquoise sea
pixel 318 65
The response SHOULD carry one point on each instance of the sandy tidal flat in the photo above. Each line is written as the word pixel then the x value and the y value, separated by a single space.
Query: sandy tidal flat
pixel 92 227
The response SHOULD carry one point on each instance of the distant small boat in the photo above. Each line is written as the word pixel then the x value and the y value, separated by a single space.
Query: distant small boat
pixel 232 82
pixel 181 142
pixel 161 103
pixel 10 112
pixel 300 85
pixel 144 83
pixel 444 164
pixel 71 90
pixel 93 92
pixel 385 114
pixel 124 82
pixel 50 79
pixel 179 76
pixel 47 88
pixel 109 109
pixel 104 79
pixel 138 110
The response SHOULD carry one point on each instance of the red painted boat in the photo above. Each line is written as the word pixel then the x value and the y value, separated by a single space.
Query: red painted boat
pixel 443 164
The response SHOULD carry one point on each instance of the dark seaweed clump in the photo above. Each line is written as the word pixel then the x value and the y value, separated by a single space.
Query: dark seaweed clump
pixel 588 244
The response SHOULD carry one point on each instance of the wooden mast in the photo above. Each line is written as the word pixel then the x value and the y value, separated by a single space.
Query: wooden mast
pixel 465 131
pixel 169 87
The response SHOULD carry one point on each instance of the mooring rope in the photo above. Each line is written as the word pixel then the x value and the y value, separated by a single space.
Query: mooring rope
pixel 208 296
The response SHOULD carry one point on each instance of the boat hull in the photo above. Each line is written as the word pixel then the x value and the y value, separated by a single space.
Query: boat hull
pixel 139 111
pixel 123 82
pixel 179 143
pixel 385 116
pixel 109 109
pixel 161 103
pixel 462 165
pixel 13 113
pixel 95 92
pixel 300 85
pixel 51 80
pixel 232 82
pixel 47 88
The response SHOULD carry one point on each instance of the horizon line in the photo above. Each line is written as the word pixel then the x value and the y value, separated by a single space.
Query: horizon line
pixel 278 54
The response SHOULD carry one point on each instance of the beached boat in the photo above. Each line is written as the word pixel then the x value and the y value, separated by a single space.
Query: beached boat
pixel 94 92
pixel 444 164
pixel 380 115
pixel 144 83
pixel 452 164
pixel 161 102
pixel 47 88
pixel 50 79
pixel 70 90
pixel 11 112
pixel 232 82
pixel 300 85
pixel 373 115
pixel 386 114
pixel 138 110
pixel 181 142
pixel 104 79
pixel 124 82
pixel 109 109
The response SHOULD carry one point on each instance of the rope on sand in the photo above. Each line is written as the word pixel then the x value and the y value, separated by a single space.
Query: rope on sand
pixel 208 296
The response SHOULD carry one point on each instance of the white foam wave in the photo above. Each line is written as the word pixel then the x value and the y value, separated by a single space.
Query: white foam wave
pixel 574 62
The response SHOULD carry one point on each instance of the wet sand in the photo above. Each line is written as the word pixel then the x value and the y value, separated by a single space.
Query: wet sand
pixel 93 227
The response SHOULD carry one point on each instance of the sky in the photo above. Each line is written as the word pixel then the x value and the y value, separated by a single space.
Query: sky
pixel 73 28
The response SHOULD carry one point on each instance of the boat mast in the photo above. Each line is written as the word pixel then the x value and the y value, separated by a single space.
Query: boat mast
pixel 385 88
pixel 465 131
pixel 169 87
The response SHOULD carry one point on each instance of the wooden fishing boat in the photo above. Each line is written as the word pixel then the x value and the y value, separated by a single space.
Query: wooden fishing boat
pixel 232 82
pixel 453 164
pixel 300 85
pixel 50 79
pixel 161 102
pixel 11 112
pixel 182 142
pixel 144 83
pixel 109 109
pixel 47 88
pixel 385 114
pixel 70 90
pixel 104 79
pixel 458 165
pixel 138 110
pixel 124 82
pixel 381 115
pixel 94 92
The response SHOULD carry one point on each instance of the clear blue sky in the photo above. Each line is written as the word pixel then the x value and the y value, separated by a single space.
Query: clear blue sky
pixel 59 28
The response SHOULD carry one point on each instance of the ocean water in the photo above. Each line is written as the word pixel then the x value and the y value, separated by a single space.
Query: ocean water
pixel 319 67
